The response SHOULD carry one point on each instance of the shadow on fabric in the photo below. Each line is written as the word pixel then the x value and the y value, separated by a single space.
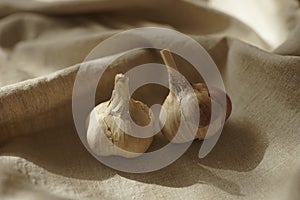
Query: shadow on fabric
pixel 240 148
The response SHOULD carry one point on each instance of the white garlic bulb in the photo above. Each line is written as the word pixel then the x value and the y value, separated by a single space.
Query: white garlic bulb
pixel 180 97
pixel 110 125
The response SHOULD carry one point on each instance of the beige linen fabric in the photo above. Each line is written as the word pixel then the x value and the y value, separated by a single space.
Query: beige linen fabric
pixel 256 46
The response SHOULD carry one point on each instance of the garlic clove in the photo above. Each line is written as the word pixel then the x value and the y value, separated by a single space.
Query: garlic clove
pixel 205 98
pixel 110 126
pixel 213 94
pixel 172 113
pixel 175 101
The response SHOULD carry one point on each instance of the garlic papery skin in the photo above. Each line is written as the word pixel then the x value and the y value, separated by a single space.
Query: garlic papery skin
pixel 178 98
pixel 179 116
pixel 110 124
pixel 176 112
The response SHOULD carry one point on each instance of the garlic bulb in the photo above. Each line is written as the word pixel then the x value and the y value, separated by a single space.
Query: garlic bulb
pixel 110 125
pixel 179 97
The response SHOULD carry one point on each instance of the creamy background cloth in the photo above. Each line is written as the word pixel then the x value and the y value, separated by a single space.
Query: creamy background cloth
pixel 256 46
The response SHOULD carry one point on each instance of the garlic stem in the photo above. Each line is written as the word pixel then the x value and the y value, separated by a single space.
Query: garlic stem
pixel 119 102
pixel 177 82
